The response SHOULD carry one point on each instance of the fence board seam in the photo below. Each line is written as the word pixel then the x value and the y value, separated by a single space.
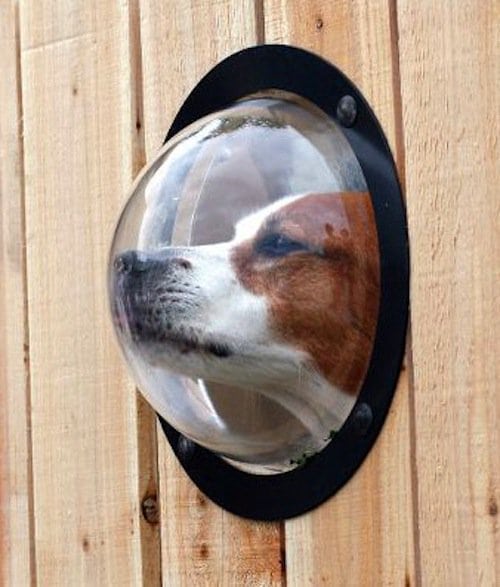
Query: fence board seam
pixel 260 22
pixel 150 535
pixel 408 360
pixel 26 325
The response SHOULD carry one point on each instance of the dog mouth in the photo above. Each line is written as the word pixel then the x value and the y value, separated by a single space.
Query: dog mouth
pixel 160 326
pixel 185 342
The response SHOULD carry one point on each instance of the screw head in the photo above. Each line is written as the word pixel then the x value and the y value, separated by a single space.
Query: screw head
pixel 362 419
pixel 347 110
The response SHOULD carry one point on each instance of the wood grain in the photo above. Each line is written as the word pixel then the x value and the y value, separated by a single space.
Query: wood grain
pixel 15 482
pixel 364 535
pixel 201 544
pixel 80 154
pixel 449 55
pixel 181 41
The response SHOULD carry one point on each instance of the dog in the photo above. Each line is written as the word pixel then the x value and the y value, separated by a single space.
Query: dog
pixel 288 307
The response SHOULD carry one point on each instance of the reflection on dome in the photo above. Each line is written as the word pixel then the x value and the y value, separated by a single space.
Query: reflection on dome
pixel 244 282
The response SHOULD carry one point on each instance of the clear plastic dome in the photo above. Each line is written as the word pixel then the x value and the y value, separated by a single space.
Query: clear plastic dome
pixel 244 281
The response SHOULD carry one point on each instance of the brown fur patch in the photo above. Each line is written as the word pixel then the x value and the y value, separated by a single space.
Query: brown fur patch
pixel 324 301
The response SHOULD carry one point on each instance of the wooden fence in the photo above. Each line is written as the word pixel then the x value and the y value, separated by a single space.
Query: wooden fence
pixel 90 493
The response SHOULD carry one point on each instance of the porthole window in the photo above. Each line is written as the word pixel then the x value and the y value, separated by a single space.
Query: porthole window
pixel 247 283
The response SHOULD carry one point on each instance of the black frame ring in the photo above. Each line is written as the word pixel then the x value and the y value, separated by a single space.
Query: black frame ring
pixel 294 70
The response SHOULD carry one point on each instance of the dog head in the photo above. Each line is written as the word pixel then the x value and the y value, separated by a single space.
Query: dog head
pixel 292 298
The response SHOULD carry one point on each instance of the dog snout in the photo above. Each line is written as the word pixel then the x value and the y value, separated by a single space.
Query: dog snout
pixel 152 289
pixel 132 263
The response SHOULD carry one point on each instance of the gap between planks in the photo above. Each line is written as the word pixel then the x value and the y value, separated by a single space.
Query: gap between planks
pixel 408 359
pixel 31 502
pixel 146 418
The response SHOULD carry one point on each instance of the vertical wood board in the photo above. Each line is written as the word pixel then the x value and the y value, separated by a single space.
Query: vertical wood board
pixel 15 486
pixel 450 86
pixel 79 153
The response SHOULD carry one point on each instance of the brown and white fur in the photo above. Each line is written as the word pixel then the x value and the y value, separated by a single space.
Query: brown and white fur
pixel 287 308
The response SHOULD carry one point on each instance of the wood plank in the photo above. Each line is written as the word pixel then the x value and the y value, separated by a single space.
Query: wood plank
pixel 364 535
pixel 15 482
pixel 201 544
pixel 81 151
pixel 451 101
pixel 181 41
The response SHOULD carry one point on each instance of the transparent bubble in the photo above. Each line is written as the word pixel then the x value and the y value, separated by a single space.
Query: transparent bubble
pixel 244 281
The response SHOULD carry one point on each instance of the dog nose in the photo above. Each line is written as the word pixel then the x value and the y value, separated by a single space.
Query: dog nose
pixel 129 262
pixel 135 262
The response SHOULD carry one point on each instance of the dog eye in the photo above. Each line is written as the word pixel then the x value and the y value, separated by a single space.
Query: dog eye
pixel 277 245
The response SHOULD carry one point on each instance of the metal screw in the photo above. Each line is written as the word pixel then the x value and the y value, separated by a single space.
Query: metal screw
pixel 185 448
pixel 362 419
pixel 347 110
